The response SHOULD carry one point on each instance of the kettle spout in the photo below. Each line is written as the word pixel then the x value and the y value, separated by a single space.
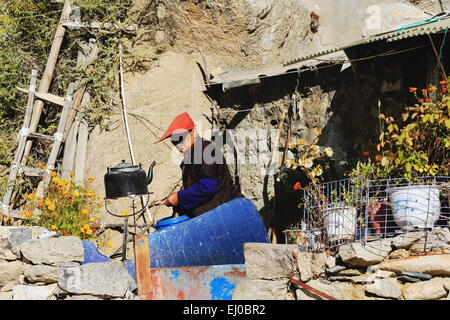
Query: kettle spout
pixel 150 173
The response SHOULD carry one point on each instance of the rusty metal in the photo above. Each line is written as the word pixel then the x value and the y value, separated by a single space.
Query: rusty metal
pixel 311 289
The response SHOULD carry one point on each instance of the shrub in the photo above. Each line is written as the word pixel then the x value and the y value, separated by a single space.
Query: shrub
pixel 67 207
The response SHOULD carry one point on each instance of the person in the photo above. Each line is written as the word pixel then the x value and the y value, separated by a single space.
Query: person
pixel 207 182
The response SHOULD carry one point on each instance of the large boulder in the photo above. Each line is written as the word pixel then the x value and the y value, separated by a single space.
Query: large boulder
pixel 105 279
pixel 10 271
pixel 364 255
pixel 261 290
pixel 431 264
pixel 53 250
pixel 435 288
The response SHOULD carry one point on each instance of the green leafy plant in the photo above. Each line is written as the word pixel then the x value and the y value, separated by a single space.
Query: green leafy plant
pixel 420 145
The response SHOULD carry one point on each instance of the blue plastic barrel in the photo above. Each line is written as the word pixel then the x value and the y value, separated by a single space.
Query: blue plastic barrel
pixel 213 238
pixel 169 222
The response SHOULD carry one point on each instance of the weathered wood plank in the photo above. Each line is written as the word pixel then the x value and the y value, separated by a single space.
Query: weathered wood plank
pixel 142 261
pixel 46 96
pixel 85 58
pixel 32 172
pixel 41 136
pixel 81 148
pixel 70 147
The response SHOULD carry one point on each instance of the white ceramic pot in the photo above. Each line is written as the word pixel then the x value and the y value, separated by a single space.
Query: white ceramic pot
pixel 340 222
pixel 415 206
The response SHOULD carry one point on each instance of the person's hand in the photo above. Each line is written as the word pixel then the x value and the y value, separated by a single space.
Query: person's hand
pixel 171 200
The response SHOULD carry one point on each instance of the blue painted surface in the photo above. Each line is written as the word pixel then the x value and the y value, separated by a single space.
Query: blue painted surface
pixel 216 237
pixel 91 253
pixel 221 289
pixel 168 222
pixel 175 274
pixel 197 283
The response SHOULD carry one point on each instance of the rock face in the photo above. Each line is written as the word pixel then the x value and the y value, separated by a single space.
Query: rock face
pixel 10 271
pixel 260 290
pixel 433 264
pixel 358 255
pixel 53 250
pixel 106 279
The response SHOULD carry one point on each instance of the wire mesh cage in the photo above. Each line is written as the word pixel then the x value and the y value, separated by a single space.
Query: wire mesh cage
pixel 412 210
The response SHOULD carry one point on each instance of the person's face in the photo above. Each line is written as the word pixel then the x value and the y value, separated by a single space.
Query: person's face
pixel 183 140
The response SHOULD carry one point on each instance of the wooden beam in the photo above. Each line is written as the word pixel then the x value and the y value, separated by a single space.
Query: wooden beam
pixel 47 76
pixel 142 263
pixel 85 58
pixel 70 146
pixel 32 172
pixel 81 147
pixel 46 96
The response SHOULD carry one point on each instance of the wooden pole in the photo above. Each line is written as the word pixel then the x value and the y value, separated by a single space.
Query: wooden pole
pixel 48 73
pixel 81 146
pixel 70 146
pixel 21 147
pixel 142 264
pixel 85 58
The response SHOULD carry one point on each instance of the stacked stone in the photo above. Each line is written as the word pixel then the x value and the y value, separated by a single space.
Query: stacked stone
pixel 36 267
pixel 405 267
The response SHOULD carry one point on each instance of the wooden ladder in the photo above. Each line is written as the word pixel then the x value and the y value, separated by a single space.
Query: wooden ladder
pixel 71 128
pixel 18 164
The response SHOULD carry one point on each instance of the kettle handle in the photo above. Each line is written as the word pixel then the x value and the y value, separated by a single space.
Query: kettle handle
pixel 150 172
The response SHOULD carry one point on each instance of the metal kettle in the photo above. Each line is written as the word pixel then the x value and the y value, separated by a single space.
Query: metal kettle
pixel 127 179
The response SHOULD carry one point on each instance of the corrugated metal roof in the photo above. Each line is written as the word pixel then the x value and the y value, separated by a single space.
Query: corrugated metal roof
pixel 390 36
pixel 240 78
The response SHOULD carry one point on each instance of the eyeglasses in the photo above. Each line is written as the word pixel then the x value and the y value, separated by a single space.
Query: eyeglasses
pixel 178 138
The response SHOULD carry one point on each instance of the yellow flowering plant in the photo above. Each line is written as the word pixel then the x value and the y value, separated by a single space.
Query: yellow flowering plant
pixel 67 207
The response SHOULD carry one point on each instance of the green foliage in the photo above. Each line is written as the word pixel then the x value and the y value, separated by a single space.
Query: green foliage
pixel 419 144
pixel 27 29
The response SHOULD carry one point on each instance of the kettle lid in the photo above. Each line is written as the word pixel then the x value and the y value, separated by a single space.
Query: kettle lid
pixel 125 167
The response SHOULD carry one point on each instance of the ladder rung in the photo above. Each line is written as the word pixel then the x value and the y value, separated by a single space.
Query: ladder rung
pixel 12 214
pixel 33 172
pixel 40 136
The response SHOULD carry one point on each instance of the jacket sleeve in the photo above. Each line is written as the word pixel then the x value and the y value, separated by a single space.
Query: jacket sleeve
pixel 200 192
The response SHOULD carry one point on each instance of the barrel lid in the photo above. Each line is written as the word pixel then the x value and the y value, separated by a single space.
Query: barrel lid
pixel 170 221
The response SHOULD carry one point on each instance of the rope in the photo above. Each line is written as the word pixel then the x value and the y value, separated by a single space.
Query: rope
pixel 418 23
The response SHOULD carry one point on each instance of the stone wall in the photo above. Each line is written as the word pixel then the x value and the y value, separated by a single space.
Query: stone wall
pixel 398 268
pixel 36 267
